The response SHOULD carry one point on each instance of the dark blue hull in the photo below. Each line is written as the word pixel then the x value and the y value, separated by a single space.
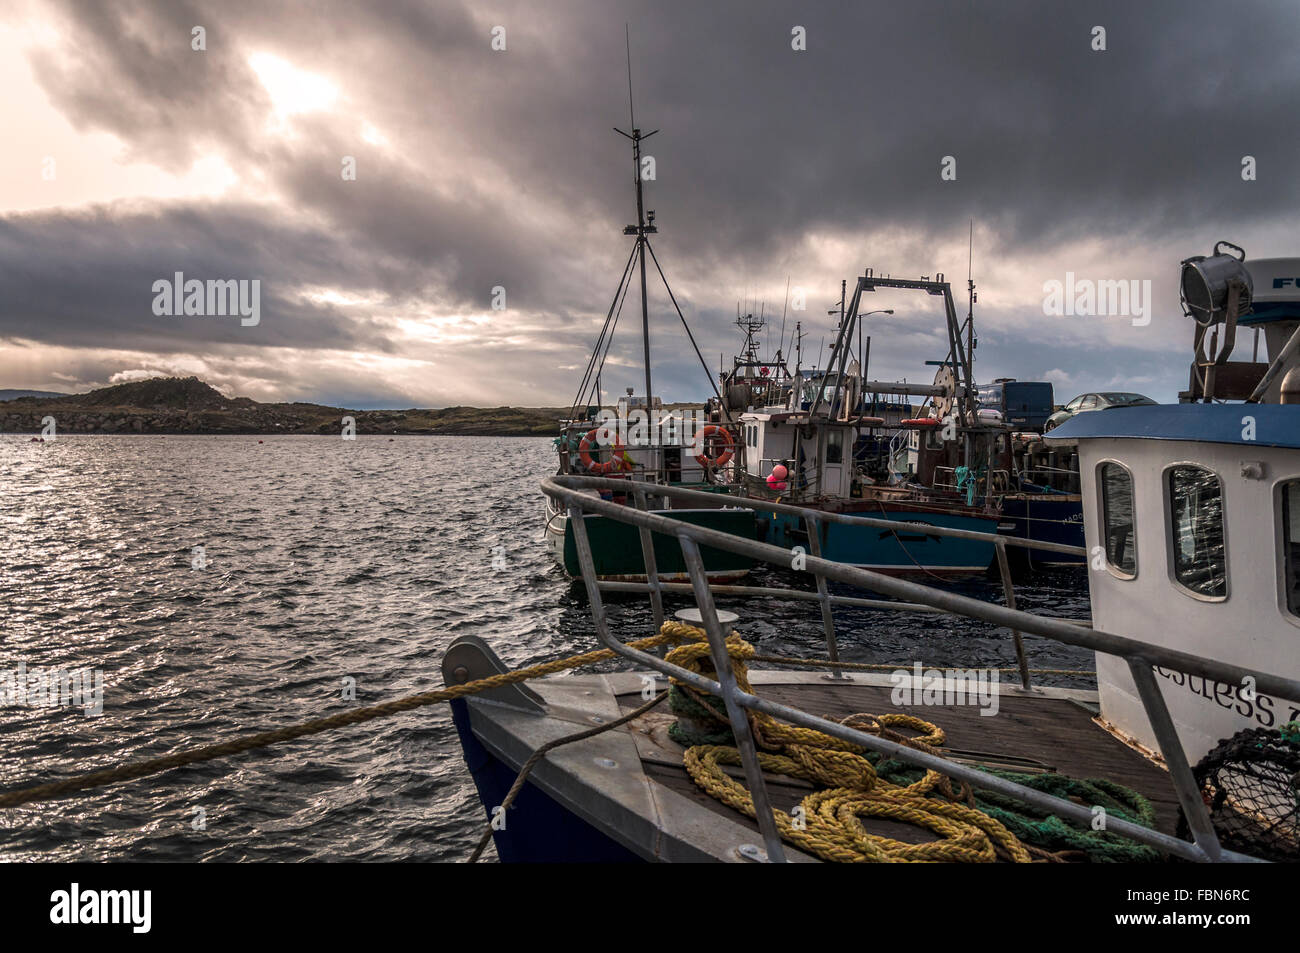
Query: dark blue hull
pixel 538 830
pixel 1047 518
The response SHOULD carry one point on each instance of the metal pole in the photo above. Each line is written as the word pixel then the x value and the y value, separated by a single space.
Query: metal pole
pixel 648 557
pixel 735 712
pixel 823 596
pixel 1009 590
pixel 1189 792
pixel 640 237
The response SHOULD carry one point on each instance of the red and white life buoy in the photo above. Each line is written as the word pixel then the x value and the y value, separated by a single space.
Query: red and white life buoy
pixel 921 422
pixel 703 459
pixel 614 464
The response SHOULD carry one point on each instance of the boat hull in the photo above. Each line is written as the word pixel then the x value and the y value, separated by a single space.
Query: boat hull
pixel 540 831
pixel 896 551
pixel 1045 518
pixel 616 547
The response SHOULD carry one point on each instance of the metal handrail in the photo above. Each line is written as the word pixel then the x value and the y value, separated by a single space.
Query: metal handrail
pixel 1141 657
pixel 827 516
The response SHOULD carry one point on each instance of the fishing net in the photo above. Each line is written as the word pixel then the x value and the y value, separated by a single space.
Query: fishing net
pixel 1251 785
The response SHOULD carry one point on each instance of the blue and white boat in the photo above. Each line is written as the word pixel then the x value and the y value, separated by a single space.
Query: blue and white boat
pixel 802 450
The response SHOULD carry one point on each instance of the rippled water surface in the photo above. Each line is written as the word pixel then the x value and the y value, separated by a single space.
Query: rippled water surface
pixel 325 560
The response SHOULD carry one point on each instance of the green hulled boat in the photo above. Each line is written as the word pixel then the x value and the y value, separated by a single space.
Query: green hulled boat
pixel 616 547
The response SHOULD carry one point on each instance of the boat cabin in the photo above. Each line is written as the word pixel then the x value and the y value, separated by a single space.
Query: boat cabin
pixel 1192 522
pixel 813 439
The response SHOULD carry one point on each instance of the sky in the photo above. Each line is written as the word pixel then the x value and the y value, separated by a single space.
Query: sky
pixel 137 146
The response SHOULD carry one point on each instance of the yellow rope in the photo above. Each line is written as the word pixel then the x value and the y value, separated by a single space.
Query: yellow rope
pixel 829 824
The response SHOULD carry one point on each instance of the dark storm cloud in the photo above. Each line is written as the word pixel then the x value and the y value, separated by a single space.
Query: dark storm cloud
pixel 502 168
pixel 86 279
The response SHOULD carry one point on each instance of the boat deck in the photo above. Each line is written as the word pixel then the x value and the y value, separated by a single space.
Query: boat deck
pixel 630 783
pixel 1051 727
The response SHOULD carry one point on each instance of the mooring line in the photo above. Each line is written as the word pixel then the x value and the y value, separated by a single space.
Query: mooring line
pixel 15 797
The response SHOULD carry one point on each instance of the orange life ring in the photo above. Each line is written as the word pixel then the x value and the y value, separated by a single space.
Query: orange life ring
pixel 703 459
pixel 921 422
pixel 616 462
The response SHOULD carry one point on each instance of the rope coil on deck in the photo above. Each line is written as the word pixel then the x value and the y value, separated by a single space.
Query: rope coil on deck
pixel 969 829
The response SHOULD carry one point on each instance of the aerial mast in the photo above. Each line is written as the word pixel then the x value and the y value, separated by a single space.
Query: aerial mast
pixel 642 228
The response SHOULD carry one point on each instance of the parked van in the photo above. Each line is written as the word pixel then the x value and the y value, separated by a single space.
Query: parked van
pixel 1025 405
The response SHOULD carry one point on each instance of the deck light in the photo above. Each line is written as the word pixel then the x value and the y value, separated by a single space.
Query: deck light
pixel 1207 280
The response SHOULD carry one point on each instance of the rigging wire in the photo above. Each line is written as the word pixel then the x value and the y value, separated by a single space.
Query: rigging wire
pixel 609 315
pixel 673 298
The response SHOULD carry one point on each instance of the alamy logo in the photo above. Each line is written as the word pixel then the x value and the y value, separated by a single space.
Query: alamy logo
pixel 53 688
pixel 103 906
pixel 1106 298
pixel 945 687
pixel 656 428
pixel 212 298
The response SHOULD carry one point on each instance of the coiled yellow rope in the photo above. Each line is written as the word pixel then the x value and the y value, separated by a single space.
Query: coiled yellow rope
pixel 827 822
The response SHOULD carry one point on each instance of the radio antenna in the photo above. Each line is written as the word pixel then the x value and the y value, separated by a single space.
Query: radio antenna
pixel 627 35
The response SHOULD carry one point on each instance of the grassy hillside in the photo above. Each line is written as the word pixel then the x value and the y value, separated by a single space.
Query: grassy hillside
pixel 188 405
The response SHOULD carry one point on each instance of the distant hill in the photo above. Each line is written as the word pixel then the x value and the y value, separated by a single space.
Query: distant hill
pixel 176 393
pixel 15 394
pixel 188 405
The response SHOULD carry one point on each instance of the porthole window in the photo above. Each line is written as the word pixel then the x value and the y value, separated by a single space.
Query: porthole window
pixel 1199 559
pixel 1115 488
pixel 1290 518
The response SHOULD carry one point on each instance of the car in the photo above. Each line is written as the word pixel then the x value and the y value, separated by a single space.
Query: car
pixel 1102 400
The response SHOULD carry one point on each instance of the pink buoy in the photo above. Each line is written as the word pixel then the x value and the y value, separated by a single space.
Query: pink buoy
pixel 780 472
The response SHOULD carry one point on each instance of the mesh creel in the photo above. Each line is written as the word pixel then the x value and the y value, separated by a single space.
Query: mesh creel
pixel 1251 785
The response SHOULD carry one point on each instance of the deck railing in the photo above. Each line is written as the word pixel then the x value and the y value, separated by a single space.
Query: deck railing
pixel 571 493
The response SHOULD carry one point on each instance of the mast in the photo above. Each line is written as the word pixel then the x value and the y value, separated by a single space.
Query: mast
pixel 970 313
pixel 641 228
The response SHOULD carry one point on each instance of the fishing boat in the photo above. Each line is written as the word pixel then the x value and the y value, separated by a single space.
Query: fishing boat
pixel 1185 746
pixel 802 450
pixel 647 446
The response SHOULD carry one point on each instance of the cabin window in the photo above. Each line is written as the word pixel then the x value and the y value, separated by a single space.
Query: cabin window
pixel 1291 545
pixel 1200 562
pixel 1115 486
pixel 834 446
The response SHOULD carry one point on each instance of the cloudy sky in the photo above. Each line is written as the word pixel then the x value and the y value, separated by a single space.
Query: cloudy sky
pixel 129 156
